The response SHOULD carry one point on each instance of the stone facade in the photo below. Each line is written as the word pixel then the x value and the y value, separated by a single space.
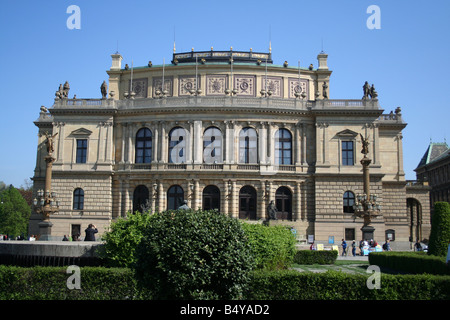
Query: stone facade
pixel 232 135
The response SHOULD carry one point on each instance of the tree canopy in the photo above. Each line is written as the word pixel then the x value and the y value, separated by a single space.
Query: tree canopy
pixel 14 212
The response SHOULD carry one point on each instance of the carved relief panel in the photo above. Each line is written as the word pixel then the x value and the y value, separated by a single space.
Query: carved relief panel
pixel 295 87
pixel 245 85
pixel 216 84
pixel 273 84
pixel 168 85
pixel 186 84
pixel 140 87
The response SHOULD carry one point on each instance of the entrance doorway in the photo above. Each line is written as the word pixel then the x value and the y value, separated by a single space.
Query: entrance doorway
pixel 283 201
pixel 211 198
pixel 247 203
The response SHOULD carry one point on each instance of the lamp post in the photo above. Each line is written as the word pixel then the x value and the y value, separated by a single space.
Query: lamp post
pixel 46 202
pixel 366 205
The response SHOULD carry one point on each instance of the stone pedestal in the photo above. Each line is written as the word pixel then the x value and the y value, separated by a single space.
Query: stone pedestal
pixel 368 232
pixel 45 230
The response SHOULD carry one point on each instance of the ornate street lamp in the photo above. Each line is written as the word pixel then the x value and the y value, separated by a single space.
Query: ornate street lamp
pixel 366 205
pixel 46 202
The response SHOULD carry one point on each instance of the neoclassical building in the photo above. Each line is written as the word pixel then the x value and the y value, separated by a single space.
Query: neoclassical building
pixel 225 130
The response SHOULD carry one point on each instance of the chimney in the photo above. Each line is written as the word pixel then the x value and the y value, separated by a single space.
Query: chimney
pixel 322 58
pixel 116 61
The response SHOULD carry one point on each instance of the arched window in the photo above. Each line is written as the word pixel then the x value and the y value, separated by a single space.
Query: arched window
pixel 177 145
pixel 283 202
pixel 175 197
pixel 349 201
pixel 141 196
pixel 144 146
pixel 283 147
pixel 212 146
pixel 248 146
pixel 211 198
pixel 247 203
pixel 78 199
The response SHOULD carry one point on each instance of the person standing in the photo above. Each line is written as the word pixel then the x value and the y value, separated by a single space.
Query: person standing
pixel 344 247
pixel 90 232
pixel 354 248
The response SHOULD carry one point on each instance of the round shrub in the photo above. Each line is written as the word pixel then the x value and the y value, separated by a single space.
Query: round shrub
pixel 187 254
pixel 121 241
pixel 272 246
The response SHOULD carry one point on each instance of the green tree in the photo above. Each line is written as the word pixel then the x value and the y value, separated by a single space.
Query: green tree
pixel 123 238
pixel 187 254
pixel 14 212
pixel 440 229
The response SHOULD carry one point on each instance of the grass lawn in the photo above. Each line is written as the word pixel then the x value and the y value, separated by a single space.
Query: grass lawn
pixel 355 267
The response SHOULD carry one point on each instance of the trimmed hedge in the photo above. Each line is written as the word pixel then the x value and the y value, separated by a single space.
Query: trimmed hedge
pixel 50 283
pixel 410 262
pixel 333 285
pixel 98 283
pixel 315 257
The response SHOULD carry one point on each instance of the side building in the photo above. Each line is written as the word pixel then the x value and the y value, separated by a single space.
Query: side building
pixel 434 170
pixel 225 130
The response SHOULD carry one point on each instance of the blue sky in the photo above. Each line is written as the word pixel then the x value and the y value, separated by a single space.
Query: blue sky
pixel 407 59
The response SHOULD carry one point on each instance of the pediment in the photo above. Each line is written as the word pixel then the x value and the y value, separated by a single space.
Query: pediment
pixel 347 133
pixel 81 132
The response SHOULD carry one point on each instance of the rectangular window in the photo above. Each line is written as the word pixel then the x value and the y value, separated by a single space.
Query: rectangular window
pixel 349 234
pixel 347 153
pixel 81 150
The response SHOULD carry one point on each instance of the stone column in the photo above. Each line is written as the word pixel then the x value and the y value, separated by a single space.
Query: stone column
pixel 197 146
pixel 161 196
pixel 262 213
pixel 262 143
pixel 270 158
pixel 123 140
pixel 109 143
pixel 197 195
pixel 298 202
pixel 163 147
pixel 234 200
pixel 297 144
pixel 130 142
pixel 229 142
pixel 400 172
pixel 61 135
pixel 100 145
pixel 155 141
pixel 126 192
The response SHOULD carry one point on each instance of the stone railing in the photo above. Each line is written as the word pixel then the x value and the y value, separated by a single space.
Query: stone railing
pixel 217 102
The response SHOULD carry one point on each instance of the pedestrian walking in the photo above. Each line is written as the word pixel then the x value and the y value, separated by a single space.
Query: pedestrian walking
pixel 354 248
